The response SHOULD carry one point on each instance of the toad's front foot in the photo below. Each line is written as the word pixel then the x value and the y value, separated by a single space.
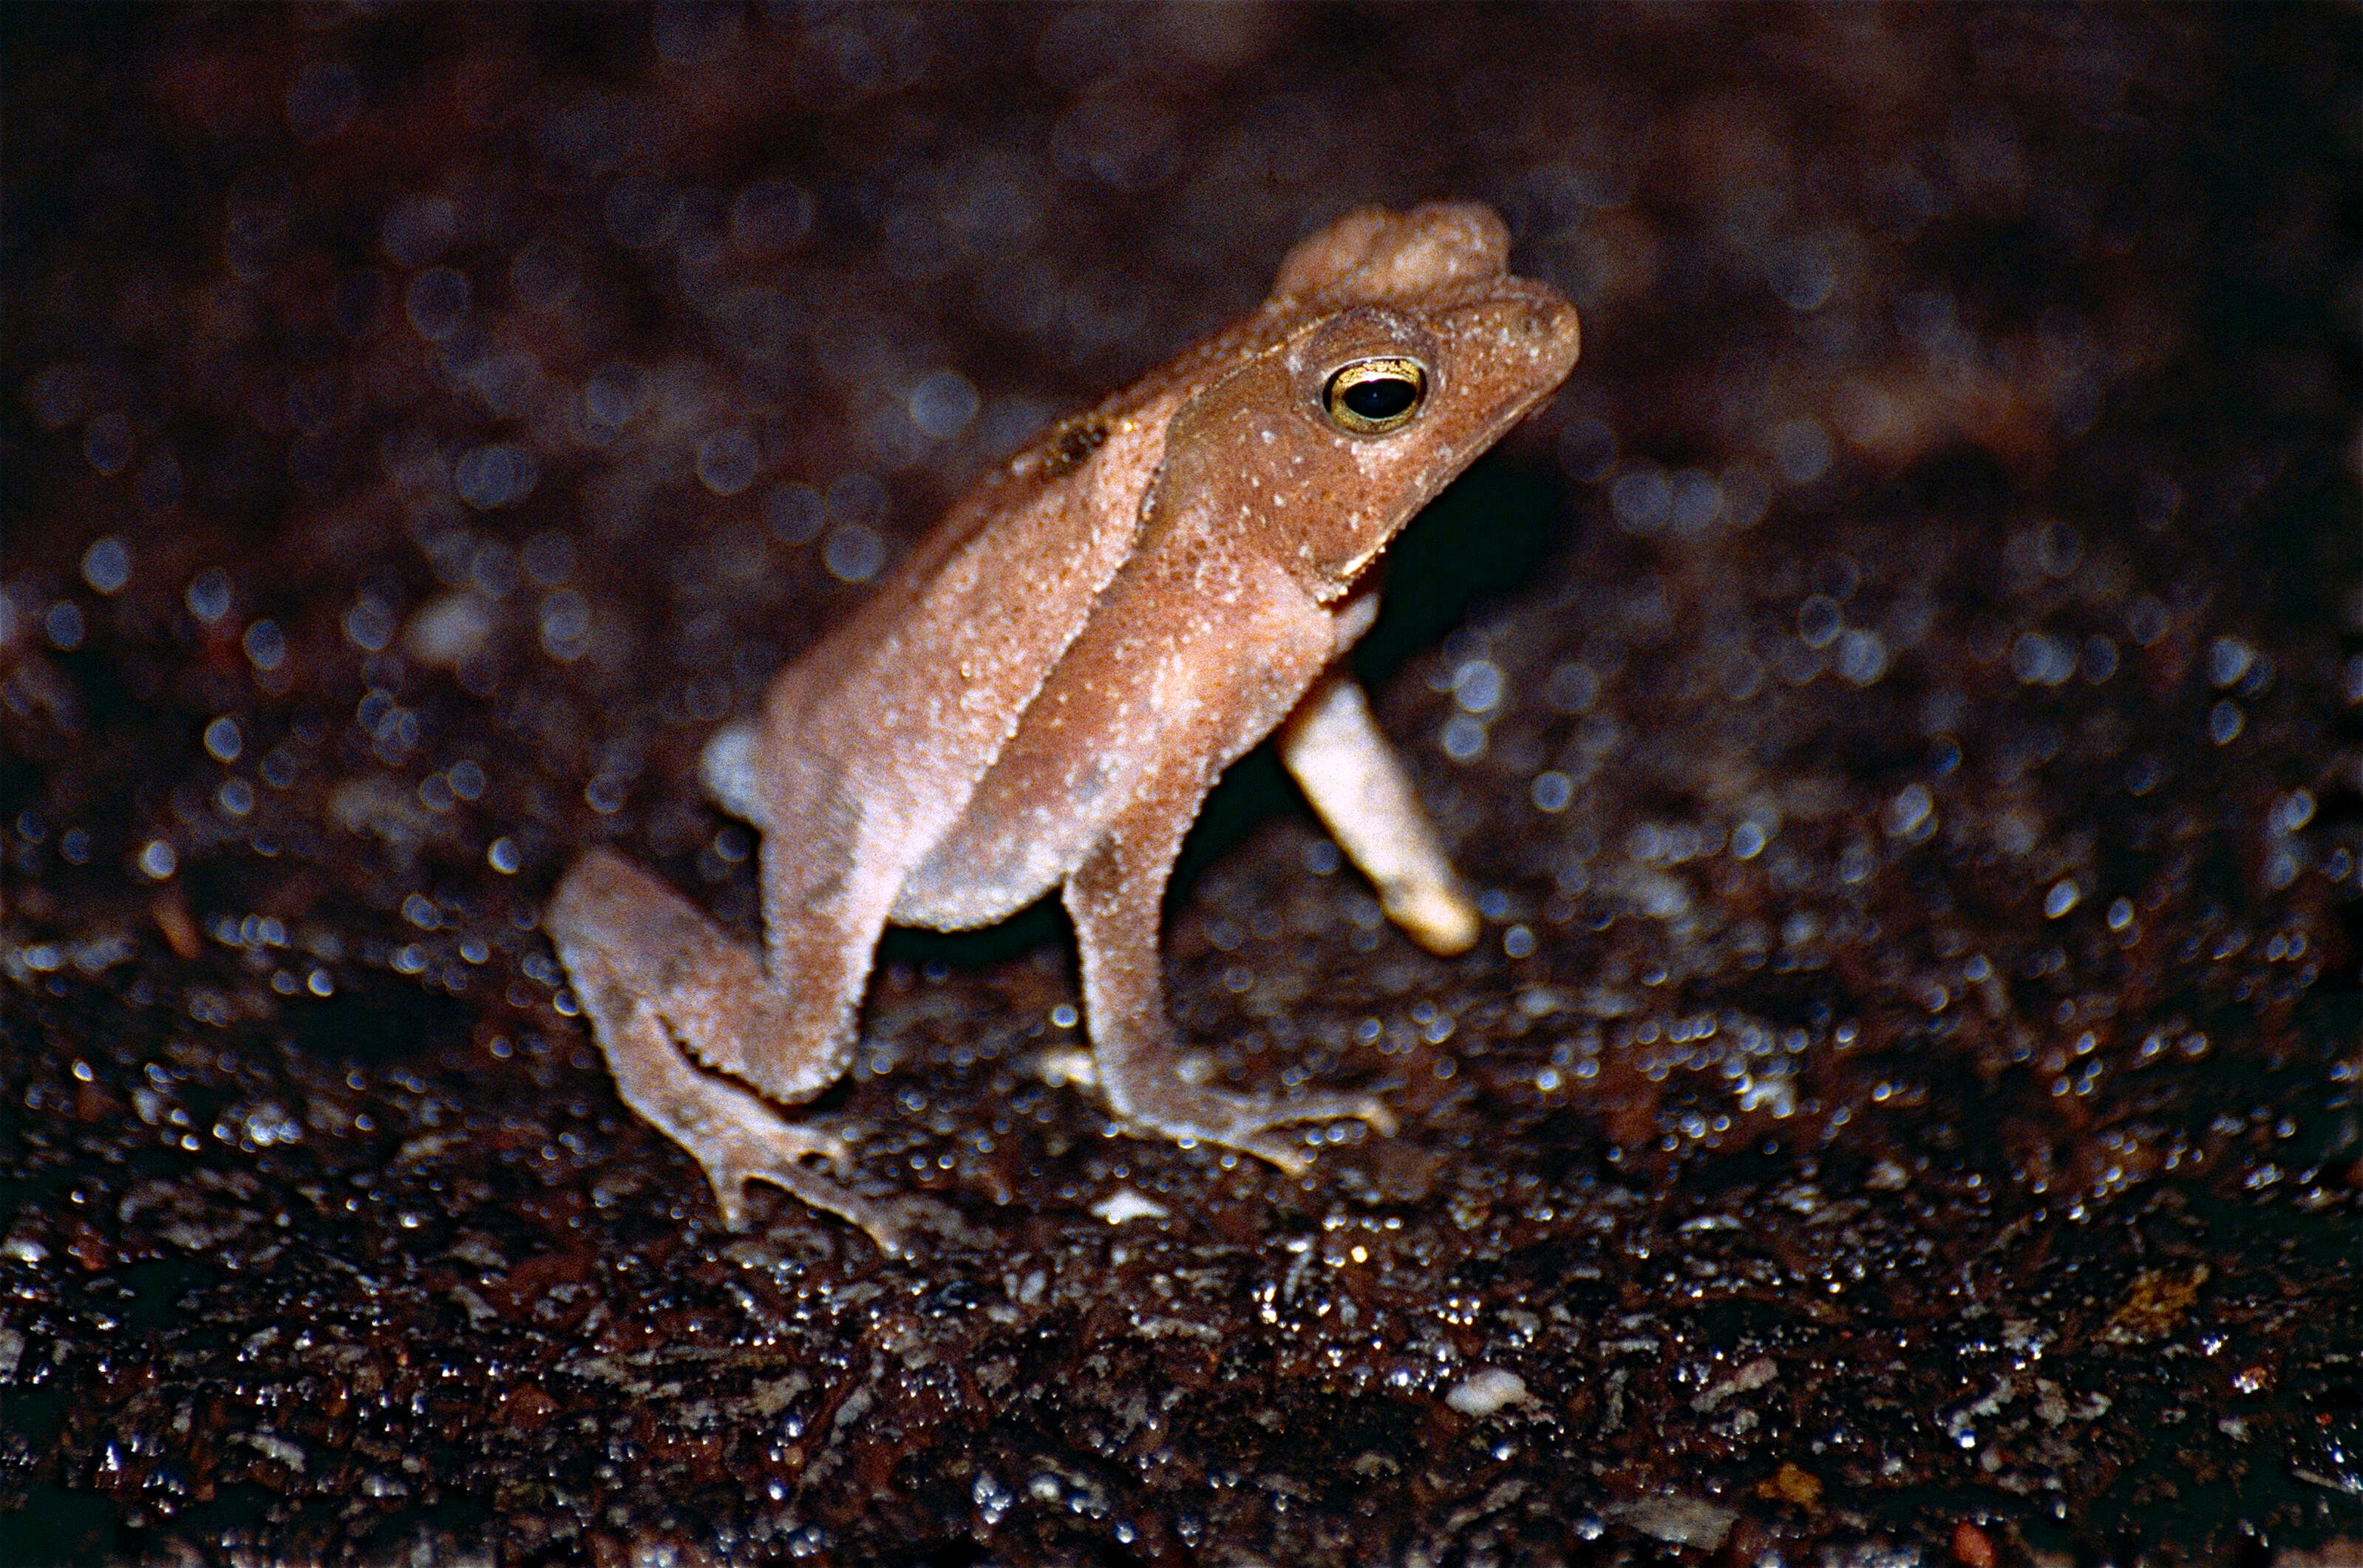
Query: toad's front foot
pixel 1159 1100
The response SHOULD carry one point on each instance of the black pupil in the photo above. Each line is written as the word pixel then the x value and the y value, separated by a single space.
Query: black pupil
pixel 1381 397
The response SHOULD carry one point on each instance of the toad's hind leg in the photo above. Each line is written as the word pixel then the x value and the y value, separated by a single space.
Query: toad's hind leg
pixel 658 979
pixel 1116 898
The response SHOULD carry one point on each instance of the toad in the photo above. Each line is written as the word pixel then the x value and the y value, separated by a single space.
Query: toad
pixel 1043 693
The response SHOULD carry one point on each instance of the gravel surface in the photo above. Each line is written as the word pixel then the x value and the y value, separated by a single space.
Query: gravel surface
pixel 1899 703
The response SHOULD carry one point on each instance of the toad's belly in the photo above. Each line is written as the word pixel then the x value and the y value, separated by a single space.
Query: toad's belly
pixel 1038 813
pixel 1155 695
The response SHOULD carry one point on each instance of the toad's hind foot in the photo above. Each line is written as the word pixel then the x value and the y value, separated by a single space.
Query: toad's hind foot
pixel 759 1144
pixel 734 1133
pixel 658 980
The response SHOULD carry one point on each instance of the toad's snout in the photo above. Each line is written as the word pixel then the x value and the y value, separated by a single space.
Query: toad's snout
pixel 1522 339
pixel 1548 324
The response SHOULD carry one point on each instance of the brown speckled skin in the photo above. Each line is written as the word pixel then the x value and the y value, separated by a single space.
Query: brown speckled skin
pixel 1044 694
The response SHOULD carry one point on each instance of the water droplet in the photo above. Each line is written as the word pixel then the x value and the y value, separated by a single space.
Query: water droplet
pixel 106 442
pixel 1572 688
pixel 492 569
pixel 2060 549
pixel 368 623
pixel 2146 621
pixel 942 404
pixel 159 479
pixel 507 381
pixel 1819 621
pixel 1837 576
pixel 436 302
pixel 2224 722
pixel 613 398
pixel 2293 810
pixel 859 499
pixel 726 460
pixel 208 596
pixel 2039 660
pixel 1862 657
pixel 1742 676
pixel 1640 500
pixel 2121 914
pixel 223 739
pixel 1463 738
pixel 1745 495
pixel 2064 896
pixel 544 275
pixel 496 475
pixel 1552 791
pixel 1121 140
pixel 1802 276
pixel 157 859
pixel 63 625
pixel 448 630
pixel 1695 501
pixel 106 565
pixel 2157 500
pixel 591 132
pixel 2100 660
pixel 694 34
pixel 565 625
pixel 502 857
pixel 418 231
pixel 1477 686
pixel 548 558
pixel 854 553
pixel 794 512
pixel 1910 808
pixel 2228 658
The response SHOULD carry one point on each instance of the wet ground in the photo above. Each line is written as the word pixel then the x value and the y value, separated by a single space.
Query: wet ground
pixel 1899 704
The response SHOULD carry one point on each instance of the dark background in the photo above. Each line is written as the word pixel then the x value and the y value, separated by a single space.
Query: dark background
pixel 1898 702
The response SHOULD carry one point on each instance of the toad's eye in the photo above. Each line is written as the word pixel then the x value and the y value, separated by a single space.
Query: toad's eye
pixel 1371 397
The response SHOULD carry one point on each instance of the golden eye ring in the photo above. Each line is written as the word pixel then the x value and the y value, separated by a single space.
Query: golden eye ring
pixel 1373 396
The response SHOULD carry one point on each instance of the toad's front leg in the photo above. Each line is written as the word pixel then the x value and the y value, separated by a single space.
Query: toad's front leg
pixel 1116 898
pixel 1357 783
pixel 658 979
